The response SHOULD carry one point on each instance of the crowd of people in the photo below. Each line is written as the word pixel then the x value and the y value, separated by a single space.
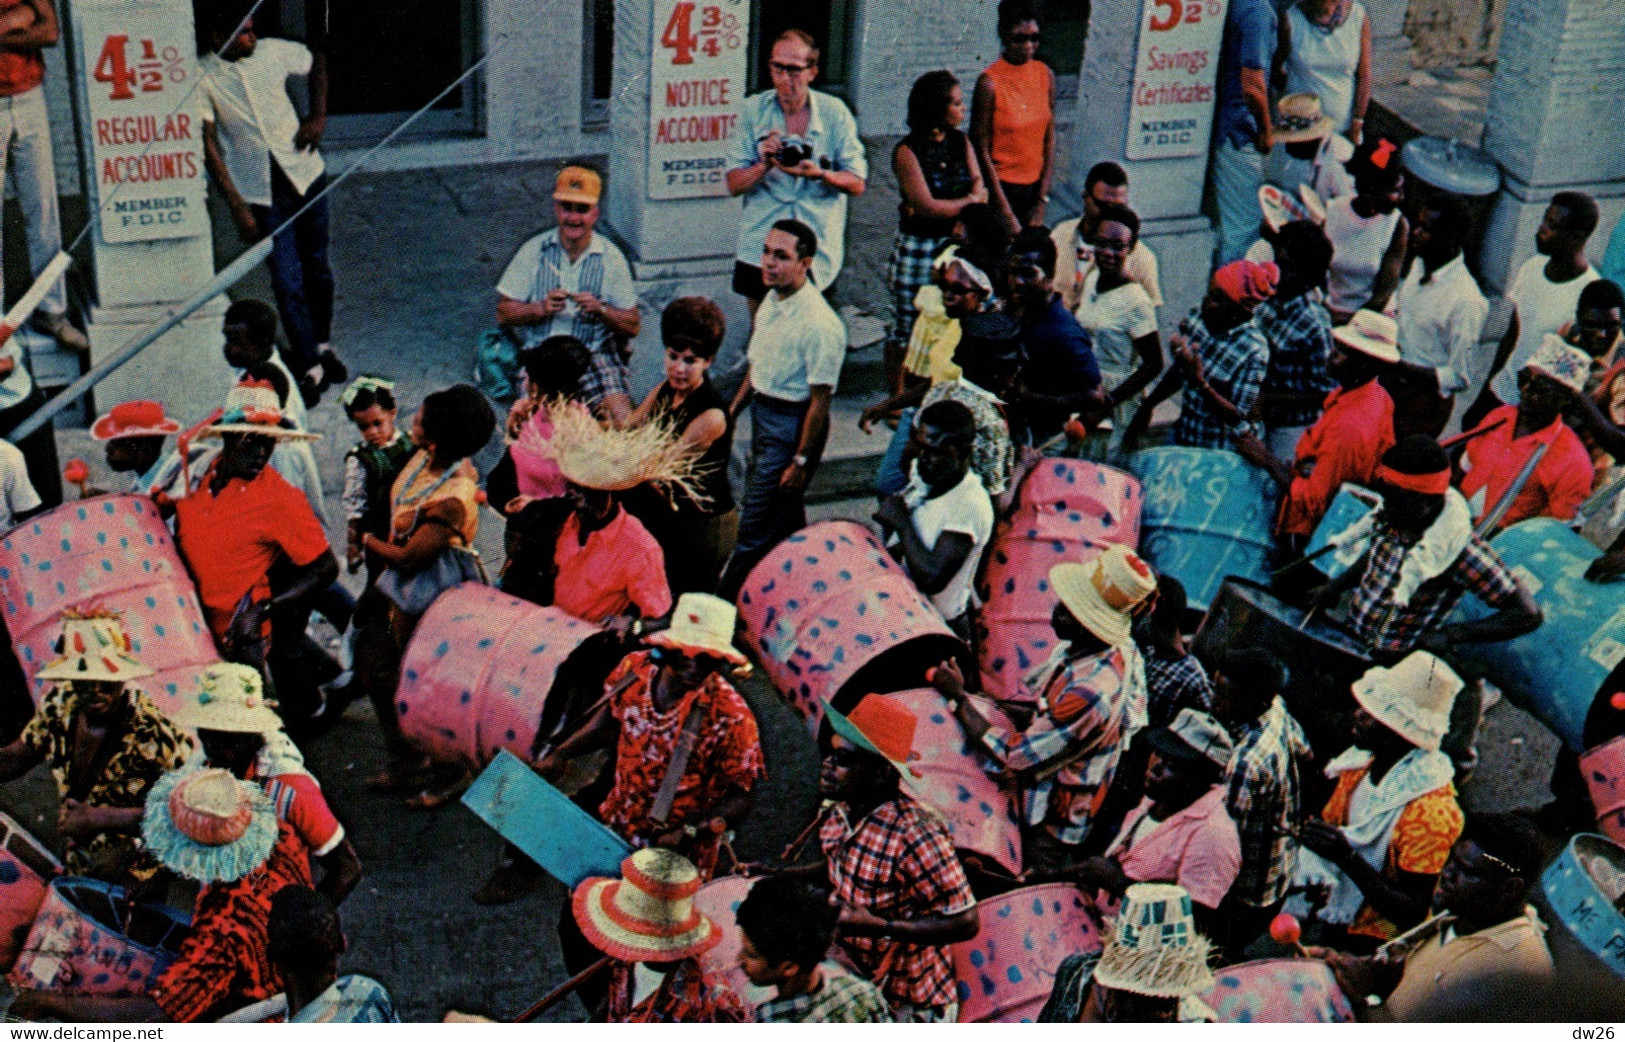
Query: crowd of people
pixel 1339 339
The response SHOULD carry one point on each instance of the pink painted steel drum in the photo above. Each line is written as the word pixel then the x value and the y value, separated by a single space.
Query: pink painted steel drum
pixel 719 901
pixel 1604 771
pixel 112 552
pixel 828 602
pixel 1006 972
pixel 1069 510
pixel 478 671
pixel 953 782
pixel 1279 991
pixel 26 871
pixel 77 944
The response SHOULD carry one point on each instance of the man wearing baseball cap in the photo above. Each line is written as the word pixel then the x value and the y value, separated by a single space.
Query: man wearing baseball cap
pixel 572 281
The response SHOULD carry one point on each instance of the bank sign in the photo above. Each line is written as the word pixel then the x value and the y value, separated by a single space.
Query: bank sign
pixel 696 82
pixel 1171 109
pixel 138 61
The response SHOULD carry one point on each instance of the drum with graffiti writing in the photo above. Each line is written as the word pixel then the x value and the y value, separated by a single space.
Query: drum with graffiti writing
pixel 1584 888
pixel 1068 510
pixel 89 939
pixel 1278 991
pixel 1604 772
pixel 1005 974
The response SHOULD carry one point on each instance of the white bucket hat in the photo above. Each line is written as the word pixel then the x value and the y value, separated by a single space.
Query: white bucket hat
pixel 1412 698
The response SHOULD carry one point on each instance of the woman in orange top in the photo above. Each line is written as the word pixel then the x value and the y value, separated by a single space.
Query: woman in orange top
pixel 1013 121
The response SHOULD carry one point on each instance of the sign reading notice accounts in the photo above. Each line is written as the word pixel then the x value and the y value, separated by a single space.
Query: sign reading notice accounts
pixel 1171 110
pixel 697 80
pixel 138 60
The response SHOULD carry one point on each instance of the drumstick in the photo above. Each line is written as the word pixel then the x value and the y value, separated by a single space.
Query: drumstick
pixel 551 999
pixel 1456 439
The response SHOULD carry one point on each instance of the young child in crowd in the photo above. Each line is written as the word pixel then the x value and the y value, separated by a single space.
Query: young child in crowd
pixel 372 464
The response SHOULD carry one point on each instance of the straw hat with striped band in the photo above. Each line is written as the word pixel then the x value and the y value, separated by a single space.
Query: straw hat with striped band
pixel 647 915
pixel 1103 594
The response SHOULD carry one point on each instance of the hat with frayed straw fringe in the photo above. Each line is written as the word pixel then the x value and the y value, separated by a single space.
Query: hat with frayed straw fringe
pixel 1153 947
pixel 207 825
pixel 614 459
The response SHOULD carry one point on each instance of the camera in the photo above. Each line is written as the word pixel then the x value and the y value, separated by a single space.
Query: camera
pixel 794 152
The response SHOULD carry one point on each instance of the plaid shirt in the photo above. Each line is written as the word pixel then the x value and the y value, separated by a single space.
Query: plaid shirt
pixel 1233 365
pixel 687 995
pixel 1082 726
pixel 898 863
pixel 1262 794
pixel 1173 684
pixel 841 999
pixel 1395 628
pixel 1299 332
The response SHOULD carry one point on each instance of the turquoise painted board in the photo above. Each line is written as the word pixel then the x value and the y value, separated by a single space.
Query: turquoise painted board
pixel 541 821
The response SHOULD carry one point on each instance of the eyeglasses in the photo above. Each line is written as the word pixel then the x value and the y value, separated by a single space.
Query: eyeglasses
pixel 788 70
pixel 1024 37
pixel 575 207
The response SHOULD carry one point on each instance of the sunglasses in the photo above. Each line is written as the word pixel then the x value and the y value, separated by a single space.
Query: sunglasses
pixel 575 207
pixel 788 70
pixel 1024 37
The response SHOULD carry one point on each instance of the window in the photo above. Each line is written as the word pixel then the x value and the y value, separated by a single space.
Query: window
pixel 1065 26
pixel 598 72
pixel 829 22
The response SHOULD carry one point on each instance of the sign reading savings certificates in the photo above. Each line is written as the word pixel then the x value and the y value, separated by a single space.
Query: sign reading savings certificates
pixel 697 80
pixel 1171 109
pixel 138 60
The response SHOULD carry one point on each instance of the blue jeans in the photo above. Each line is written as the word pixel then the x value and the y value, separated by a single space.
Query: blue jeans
pixel 1238 173
pixel 891 478
pixel 300 274
pixel 767 514
pixel 25 140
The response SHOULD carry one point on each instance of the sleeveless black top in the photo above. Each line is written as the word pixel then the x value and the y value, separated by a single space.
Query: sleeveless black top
pixel 947 173
pixel 714 464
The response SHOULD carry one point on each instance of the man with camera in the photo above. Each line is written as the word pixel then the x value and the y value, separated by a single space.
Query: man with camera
pixel 798 157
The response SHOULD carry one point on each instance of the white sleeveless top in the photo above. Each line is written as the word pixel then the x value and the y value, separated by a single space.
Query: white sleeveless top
pixel 1323 63
pixel 1358 244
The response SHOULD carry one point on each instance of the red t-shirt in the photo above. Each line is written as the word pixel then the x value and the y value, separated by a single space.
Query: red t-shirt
pixel 299 801
pixel 19 71
pixel 1560 483
pixel 230 541
pixel 621 565
pixel 1345 444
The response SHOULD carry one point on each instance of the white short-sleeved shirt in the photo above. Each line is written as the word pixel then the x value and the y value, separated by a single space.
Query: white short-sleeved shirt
pixel 17 495
pixel 18 384
pixel 799 343
pixel 964 508
pixel 247 101
pixel 1441 317
pixel 1544 307
pixel 542 262
pixel 1115 319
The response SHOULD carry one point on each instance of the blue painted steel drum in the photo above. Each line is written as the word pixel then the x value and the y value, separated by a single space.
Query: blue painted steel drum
pixel 1582 886
pixel 1351 504
pixel 1207 514
pixel 1555 672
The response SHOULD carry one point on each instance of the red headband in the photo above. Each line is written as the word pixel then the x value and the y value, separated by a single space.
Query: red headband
pixel 1427 484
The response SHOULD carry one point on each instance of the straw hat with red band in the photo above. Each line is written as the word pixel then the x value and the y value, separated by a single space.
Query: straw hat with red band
pixel 647 915
pixel 881 725
pixel 1104 594
pixel 139 419
pixel 701 624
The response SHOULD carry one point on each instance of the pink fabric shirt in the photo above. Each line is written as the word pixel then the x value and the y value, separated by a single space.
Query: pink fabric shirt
pixel 1198 848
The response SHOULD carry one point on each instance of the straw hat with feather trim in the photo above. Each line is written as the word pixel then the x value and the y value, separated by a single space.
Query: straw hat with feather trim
pixel 647 915
pixel 613 459
pixel 252 407
pixel 93 646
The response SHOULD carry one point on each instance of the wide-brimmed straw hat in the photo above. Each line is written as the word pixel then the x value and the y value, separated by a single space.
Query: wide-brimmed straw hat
pixel 1370 333
pixel 1299 117
pixel 1412 698
pixel 208 825
pixel 647 915
pixel 1153 947
pixel 138 419
pixel 252 407
pixel 93 646
pixel 614 459
pixel 704 624
pixel 881 725
pixel 229 697
pixel 1103 593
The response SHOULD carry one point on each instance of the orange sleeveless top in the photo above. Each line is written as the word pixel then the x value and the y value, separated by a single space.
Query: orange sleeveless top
pixel 1021 113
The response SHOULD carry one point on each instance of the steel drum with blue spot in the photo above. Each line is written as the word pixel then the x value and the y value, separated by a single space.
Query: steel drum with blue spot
pixel 26 871
pixel 719 901
pixel 1005 974
pixel 478 671
pixel 1068 510
pixel 1278 991
pixel 1604 771
pixel 111 552
pixel 89 940
pixel 1208 514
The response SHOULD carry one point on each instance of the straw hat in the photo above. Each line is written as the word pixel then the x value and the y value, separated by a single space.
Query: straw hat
pixel 881 725
pixel 1562 361
pixel 1370 333
pixel 252 407
pixel 613 459
pixel 1153 947
pixel 93 646
pixel 1102 594
pixel 701 623
pixel 1195 735
pixel 1412 698
pixel 229 697
pixel 647 915
pixel 1298 117
pixel 139 419
pixel 207 825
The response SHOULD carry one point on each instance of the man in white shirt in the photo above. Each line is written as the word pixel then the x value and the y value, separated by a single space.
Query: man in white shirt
pixel 940 524
pixel 17 496
pixel 265 162
pixel 1545 292
pixel 795 356
pixel 573 281
pixel 1441 313
pixel 1074 257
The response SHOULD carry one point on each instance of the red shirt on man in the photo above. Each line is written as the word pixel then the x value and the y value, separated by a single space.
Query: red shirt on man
pixel 1560 483
pixel 20 71
pixel 619 566
pixel 1345 444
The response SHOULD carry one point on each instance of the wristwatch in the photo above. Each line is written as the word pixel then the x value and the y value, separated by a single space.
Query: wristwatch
pixel 799 460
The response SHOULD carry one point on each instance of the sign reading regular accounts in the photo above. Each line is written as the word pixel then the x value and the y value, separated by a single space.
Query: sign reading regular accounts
pixel 1171 111
pixel 697 80
pixel 138 60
